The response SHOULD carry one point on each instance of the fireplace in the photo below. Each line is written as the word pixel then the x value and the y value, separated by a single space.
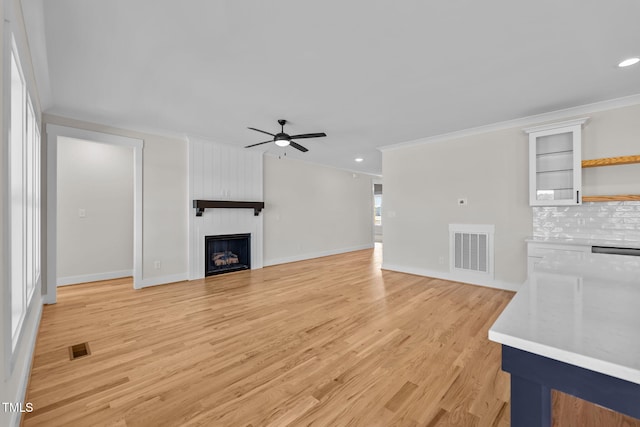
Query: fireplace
pixel 227 253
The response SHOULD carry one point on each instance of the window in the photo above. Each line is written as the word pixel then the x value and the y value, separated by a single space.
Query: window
pixel 24 190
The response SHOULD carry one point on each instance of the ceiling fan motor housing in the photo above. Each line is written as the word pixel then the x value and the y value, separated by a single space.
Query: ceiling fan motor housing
pixel 282 137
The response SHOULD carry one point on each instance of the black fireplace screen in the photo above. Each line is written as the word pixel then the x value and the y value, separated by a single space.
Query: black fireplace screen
pixel 223 254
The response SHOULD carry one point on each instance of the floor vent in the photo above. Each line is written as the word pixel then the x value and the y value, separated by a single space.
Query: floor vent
pixel 471 248
pixel 79 350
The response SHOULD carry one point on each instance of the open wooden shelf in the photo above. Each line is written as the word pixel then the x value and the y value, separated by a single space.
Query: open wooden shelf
pixel 616 198
pixel 610 161
pixel 201 205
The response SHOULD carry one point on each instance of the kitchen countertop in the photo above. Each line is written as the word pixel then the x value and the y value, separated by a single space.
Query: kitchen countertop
pixel 586 242
pixel 580 308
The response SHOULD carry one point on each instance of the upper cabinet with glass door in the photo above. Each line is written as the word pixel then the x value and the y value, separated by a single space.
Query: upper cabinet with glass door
pixel 555 174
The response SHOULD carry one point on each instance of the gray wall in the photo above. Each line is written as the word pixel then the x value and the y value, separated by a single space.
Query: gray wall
pixel 312 210
pixel 421 188
pixel 97 178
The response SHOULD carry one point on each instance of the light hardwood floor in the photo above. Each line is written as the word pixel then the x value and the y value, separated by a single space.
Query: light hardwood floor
pixel 328 342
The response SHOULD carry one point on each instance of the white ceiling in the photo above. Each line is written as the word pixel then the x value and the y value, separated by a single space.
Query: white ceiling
pixel 369 73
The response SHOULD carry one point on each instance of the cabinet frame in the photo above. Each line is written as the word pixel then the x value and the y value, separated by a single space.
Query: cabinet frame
pixel 571 126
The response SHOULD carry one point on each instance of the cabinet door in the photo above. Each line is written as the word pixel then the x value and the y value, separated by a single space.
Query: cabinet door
pixel 537 251
pixel 531 263
pixel 555 166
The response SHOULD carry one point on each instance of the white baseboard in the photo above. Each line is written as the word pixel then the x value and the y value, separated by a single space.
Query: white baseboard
pixel 162 280
pixel 31 335
pixel 47 299
pixel 74 280
pixel 488 282
pixel 311 255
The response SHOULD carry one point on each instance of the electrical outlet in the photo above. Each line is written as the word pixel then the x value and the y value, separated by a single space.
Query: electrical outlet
pixel 157 265
pixel 462 202
pixel 582 221
pixel 441 260
pixel 82 213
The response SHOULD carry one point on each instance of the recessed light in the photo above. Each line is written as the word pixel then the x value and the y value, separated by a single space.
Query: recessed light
pixel 359 159
pixel 629 61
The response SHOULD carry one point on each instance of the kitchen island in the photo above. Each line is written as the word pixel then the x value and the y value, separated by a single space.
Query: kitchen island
pixel 573 327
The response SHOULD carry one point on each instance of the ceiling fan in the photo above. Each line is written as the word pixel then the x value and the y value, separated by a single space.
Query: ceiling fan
pixel 282 139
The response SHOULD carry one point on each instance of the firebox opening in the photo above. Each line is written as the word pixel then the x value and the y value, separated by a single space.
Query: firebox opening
pixel 227 253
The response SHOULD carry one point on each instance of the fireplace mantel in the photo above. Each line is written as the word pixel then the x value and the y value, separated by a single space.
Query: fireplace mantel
pixel 201 205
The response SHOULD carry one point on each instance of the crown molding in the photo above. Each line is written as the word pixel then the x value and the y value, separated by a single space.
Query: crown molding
pixel 54 117
pixel 521 122
pixel 557 125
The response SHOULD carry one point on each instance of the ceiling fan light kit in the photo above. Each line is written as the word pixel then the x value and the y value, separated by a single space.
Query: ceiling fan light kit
pixel 629 62
pixel 282 139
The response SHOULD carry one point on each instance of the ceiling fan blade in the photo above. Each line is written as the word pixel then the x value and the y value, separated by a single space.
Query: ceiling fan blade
pixel 298 146
pixel 258 130
pixel 308 135
pixel 259 143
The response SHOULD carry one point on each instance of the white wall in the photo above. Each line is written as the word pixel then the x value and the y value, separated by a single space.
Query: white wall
pixel 97 178
pixel 164 201
pixel 223 172
pixel 423 182
pixel 312 211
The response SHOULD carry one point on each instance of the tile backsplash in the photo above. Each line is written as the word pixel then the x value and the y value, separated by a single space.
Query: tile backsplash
pixel 592 220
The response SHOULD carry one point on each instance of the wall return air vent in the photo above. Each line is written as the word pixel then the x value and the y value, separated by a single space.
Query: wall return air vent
pixel 471 250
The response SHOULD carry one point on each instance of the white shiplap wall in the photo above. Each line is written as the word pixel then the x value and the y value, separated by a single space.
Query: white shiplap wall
pixel 223 172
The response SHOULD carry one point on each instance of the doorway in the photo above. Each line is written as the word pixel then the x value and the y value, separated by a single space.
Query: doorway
pixel 55 134
pixel 377 210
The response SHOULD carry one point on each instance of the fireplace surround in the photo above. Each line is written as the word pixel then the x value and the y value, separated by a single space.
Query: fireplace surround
pixel 227 253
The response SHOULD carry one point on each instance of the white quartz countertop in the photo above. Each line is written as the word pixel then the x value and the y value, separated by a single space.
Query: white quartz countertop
pixel 582 309
pixel 586 242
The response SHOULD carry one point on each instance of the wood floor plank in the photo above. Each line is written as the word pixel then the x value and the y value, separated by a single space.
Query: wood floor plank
pixel 334 341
